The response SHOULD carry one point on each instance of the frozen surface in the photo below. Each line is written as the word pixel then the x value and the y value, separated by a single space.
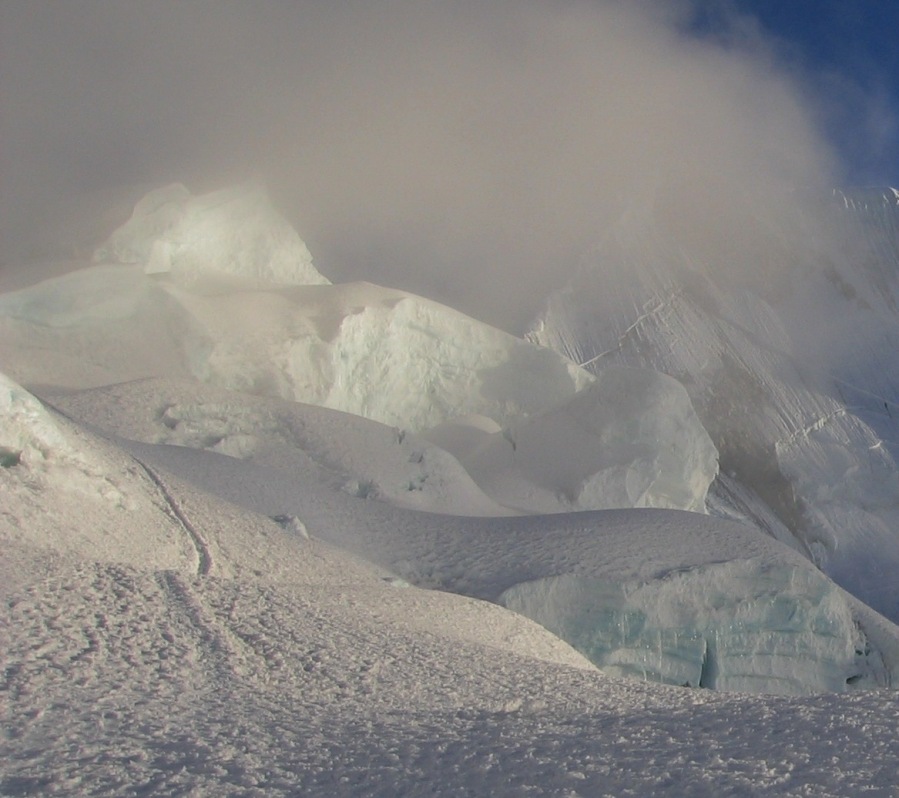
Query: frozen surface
pixel 378 353
pixel 199 596
pixel 666 595
pixel 736 625
pixel 64 492
pixel 360 457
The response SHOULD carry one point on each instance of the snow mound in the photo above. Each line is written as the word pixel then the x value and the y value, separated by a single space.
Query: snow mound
pixel 229 238
pixel 379 353
pixel 632 439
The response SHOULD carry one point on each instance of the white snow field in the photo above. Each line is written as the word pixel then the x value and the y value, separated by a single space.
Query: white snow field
pixel 218 581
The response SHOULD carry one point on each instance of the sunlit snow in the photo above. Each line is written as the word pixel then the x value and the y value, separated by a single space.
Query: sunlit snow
pixel 264 535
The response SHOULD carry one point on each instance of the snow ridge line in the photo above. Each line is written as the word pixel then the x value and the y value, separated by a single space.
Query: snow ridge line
pixel 204 555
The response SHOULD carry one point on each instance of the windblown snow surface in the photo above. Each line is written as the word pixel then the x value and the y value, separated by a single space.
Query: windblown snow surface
pixel 267 536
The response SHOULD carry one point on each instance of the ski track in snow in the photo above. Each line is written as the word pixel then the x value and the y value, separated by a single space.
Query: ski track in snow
pixel 134 683
pixel 204 556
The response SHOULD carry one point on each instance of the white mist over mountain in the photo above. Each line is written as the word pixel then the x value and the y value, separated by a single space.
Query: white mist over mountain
pixel 269 528
pixel 472 153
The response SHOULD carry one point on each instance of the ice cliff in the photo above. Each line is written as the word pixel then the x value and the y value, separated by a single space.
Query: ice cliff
pixel 232 238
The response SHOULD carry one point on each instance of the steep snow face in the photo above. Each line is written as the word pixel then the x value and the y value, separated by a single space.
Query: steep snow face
pixel 226 239
pixel 792 371
pixel 738 625
pixel 632 439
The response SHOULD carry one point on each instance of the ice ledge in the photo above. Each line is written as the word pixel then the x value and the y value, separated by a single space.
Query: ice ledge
pixel 741 625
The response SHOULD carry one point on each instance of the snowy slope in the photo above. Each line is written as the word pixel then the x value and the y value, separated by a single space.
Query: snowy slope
pixel 790 366
pixel 202 597
pixel 355 455
pixel 679 598
pixel 268 662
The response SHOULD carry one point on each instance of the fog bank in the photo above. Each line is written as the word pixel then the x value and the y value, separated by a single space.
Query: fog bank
pixel 471 152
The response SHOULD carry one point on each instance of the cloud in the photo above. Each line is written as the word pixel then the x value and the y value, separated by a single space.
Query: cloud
pixel 469 151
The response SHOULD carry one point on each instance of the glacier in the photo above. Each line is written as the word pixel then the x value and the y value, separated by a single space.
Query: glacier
pixel 630 439
pixel 735 625
pixel 301 403
pixel 229 238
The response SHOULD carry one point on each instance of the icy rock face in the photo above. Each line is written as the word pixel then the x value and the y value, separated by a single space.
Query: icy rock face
pixel 229 238
pixel 738 625
pixel 632 439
